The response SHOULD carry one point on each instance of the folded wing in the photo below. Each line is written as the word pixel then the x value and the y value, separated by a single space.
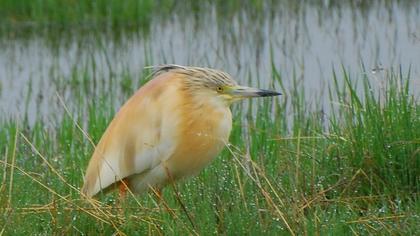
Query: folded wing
pixel 140 136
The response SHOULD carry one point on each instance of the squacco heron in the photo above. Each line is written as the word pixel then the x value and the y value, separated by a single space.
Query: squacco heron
pixel 172 127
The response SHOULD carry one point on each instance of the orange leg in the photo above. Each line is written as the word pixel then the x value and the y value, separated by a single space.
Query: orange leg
pixel 123 188
pixel 158 193
pixel 122 193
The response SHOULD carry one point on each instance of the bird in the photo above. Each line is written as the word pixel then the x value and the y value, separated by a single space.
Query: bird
pixel 170 129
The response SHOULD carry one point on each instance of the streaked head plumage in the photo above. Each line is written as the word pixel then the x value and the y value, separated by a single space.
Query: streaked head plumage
pixel 200 77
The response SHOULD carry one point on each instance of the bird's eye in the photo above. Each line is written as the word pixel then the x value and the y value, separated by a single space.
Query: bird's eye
pixel 219 89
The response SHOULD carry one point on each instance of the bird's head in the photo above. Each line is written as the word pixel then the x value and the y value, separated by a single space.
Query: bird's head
pixel 215 84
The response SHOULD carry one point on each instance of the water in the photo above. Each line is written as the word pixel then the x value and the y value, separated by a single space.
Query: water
pixel 305 43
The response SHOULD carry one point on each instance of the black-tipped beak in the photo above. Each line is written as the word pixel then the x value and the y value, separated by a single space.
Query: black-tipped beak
pixel 247 92
pixel 267 93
